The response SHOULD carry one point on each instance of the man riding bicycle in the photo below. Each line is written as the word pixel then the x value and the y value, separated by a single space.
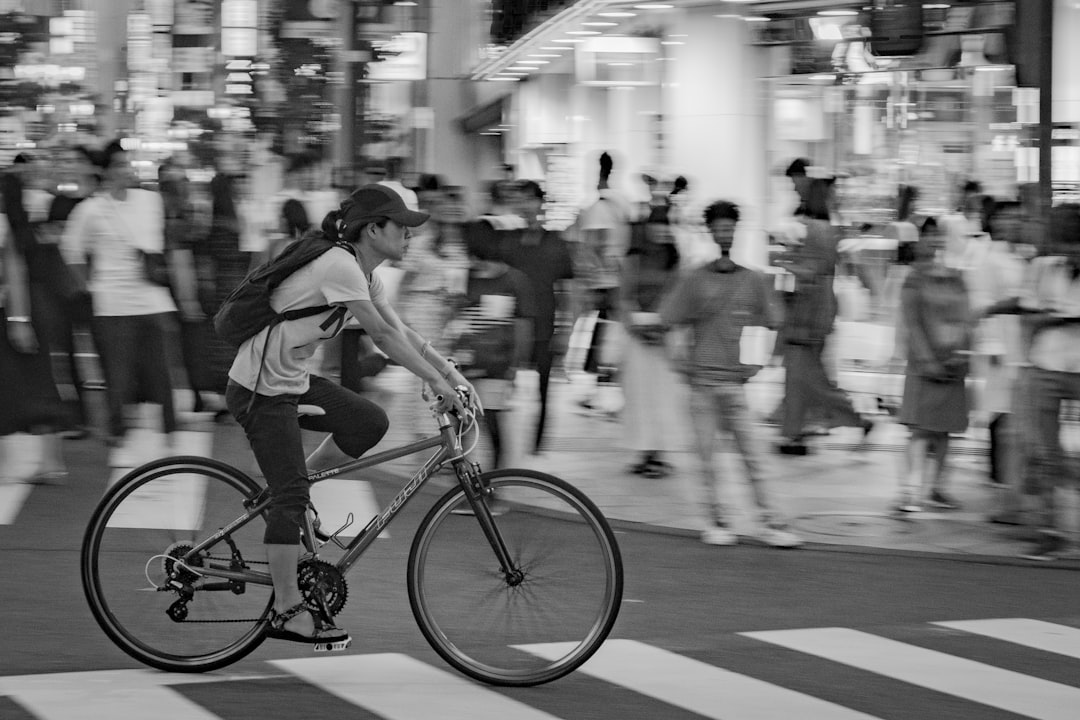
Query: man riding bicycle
pixel 270 379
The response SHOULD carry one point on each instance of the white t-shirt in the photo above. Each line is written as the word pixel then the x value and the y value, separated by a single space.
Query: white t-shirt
pixel 333 278
pixel 111 232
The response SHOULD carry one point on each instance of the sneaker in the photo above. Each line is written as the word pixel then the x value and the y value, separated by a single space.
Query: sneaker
pixel 942 501
pixel 906 506
pixel 1048 547
pixel 719 535
pixel 779 536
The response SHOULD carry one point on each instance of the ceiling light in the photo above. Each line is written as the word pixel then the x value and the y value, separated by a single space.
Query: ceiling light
pixel 672 42
pixel 620 64
pixel 521 67
pixel 540 55
pixel 653 6
pixel 533 62
pixel 936 6
pixel 837 13
pixel 616 14
pixel 755 18
pixel 582 32
pixel 568 40
pixel 600 24
pixel 560 49
pixel 405 3
pixel 503 79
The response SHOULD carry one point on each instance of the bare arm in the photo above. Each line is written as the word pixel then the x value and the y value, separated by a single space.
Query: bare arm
pixel 407 348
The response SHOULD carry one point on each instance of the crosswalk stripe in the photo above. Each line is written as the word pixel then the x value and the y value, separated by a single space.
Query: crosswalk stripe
pixel 1037 634
pixel 975 681
pixel 337 498
pixel 143 445
pixel 106 695
pixel 697 686
pixel 12 497
pixel 177 505
pixel 399 687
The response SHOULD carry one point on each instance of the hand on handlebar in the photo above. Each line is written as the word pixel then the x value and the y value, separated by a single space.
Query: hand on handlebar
pixel 458 400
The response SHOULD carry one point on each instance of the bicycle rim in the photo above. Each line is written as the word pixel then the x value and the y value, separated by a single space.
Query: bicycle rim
pixel 152 512
pixel 534 631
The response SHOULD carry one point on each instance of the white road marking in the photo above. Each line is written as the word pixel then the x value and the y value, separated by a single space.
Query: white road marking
pixel 1045 636
pixel 336 498
pixel 12 497
pixel 967 679
pixel 398 687
pixel 696 686
pixel 108 695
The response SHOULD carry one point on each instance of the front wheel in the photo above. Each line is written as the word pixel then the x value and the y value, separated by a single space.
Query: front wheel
pixel 537 620
pixel 157 600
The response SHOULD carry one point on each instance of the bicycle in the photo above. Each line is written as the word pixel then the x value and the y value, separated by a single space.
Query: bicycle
pixel 512 598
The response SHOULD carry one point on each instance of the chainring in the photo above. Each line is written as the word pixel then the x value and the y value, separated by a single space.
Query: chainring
pixel 168 563
pixel 319 575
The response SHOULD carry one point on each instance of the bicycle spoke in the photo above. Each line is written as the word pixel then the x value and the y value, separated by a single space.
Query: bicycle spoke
pixel 136 541
pixel 569 590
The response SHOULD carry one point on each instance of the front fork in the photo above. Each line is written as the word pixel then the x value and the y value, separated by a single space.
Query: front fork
pixel 478 495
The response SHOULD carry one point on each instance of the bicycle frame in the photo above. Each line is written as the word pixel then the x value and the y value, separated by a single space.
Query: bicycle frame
pixel 450 450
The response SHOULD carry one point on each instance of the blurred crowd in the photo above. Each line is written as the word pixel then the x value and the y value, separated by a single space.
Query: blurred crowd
pixel 110 276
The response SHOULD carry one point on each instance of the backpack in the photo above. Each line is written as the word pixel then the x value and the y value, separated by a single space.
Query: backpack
pixel 246 311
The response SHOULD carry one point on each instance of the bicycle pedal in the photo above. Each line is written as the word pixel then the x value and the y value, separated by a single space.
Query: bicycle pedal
pixel 336 646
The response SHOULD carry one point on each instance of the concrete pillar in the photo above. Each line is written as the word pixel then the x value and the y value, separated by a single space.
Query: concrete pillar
pixel 715 119
pixel 1066 77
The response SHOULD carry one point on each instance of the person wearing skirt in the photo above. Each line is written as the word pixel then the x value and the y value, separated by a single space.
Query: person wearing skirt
pixel 936 313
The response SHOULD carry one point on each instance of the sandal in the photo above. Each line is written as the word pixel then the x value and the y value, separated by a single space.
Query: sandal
pixel 326 637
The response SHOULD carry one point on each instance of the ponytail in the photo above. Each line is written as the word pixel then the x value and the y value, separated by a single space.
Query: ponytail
pixel 331 225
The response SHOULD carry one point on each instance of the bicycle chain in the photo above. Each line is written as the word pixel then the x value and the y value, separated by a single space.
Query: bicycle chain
pixel 239 620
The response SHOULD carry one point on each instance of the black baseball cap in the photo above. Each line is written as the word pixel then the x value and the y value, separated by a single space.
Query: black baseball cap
pixel 373 202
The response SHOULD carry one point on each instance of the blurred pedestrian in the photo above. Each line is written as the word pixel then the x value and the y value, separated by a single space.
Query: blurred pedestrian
pixel 29 400
pixel 717 301
pixel 649 384
pixel 112 239
pixel 937 315
pixel 1054 296
pixel 434 270
pixel 76 179
pixel 182 238
pixel 223 262
pixel 491 333
pixel 544 257
pixel 808 322
pixel 602 240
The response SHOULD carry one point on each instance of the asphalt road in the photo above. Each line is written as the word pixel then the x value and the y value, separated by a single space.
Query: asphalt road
pixel 703 631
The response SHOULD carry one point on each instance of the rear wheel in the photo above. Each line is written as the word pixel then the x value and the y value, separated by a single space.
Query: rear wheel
pixel 541 618
pixel 145 588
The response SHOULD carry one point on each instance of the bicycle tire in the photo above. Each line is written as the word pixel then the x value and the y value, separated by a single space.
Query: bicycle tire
pixel 152 509
pixel 475 619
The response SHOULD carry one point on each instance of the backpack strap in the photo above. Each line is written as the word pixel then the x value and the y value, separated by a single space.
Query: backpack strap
pixel 297 314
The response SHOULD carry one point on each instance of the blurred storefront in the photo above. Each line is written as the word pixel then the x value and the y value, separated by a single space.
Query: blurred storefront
pixel 727 93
